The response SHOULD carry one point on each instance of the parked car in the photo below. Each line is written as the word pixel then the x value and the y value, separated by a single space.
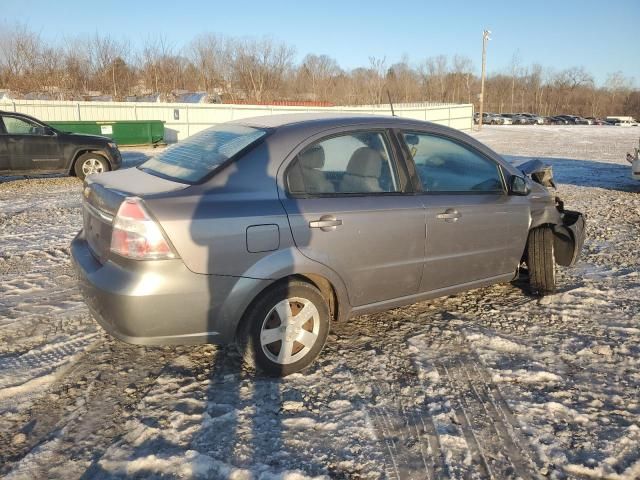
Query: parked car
pixel 488 118
pixel 569 119
pixel 534 119
pixel 597 121
pixel 506 120
pixel 623 121
pixel 28 145
pixel 560 120
pixel 574 120
pixel 516 119
pixel 263 231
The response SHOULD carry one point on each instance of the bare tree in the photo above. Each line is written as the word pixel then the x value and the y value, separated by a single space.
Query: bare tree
pixel 434 73
pixel 262 70
pixel 109 65
pixel 461 72
pixel 514 67
pixel 210 56
pixel 260 66
pixel 403 81
pixel 317 73
pixel 20 50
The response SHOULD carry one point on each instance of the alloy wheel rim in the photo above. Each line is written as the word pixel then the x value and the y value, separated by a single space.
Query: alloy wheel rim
pixel 290 330
pixel 92 165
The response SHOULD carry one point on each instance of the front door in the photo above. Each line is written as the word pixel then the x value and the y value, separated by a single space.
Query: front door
pixel 4 149
pixel 475 230
pixel 30 145
pixel 347 211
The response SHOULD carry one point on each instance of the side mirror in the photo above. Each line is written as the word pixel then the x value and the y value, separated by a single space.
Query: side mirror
pixel 411 139
pixel 518 186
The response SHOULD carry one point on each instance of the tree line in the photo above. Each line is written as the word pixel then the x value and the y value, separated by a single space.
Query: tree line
pixel 265 70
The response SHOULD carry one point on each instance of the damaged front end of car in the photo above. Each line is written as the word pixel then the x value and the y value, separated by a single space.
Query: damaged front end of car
pixel 568 226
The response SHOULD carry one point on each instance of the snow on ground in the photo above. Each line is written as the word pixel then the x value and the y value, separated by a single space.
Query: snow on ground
pixel 492 383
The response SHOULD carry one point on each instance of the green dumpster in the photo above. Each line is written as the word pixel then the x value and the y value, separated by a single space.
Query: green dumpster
pixel 125 132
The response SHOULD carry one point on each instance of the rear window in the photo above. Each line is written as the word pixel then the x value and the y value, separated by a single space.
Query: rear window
pixel 192 159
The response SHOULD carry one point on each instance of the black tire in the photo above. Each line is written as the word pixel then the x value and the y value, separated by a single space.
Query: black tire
pixel 262 313
pixel 541 261
pixel 89 163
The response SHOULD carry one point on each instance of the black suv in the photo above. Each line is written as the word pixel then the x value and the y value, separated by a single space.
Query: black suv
pixel 28 145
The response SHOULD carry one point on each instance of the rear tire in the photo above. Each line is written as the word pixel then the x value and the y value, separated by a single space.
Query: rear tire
pixel 280 346
pixel 541 261
pixel 90 163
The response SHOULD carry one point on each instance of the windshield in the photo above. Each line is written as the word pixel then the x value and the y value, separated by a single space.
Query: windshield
pixel 192 159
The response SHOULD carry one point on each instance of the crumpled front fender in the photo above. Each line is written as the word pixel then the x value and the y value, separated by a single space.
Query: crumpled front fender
pixel 569 238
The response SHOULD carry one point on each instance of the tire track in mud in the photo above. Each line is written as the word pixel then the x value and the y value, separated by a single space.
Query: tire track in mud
pixel 451 423
pixel 489 433
pixel 83 412
pixel 41 361
pixel 403 427
pixel 485 417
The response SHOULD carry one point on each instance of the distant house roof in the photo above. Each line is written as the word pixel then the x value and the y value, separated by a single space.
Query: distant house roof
pixel 39 96
pixel 197 97
pixel 98 98
pixel 153 98
pixel 284 103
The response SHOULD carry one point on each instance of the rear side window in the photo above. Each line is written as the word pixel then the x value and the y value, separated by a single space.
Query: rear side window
pixel 192 159
pixel 357 163
pixel 444 165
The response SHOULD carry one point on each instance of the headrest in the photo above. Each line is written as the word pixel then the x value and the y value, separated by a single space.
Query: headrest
pixel 312 157
pixel 365 162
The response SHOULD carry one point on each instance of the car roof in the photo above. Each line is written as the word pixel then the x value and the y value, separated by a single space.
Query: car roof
pixel 321 119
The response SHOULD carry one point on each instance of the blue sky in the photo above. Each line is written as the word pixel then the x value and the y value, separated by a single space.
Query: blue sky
pixel 602 36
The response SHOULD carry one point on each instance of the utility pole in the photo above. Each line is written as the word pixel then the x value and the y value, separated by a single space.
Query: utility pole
pixel 485 39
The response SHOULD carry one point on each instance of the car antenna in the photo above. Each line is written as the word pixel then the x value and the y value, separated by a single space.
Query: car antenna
pixel 393 114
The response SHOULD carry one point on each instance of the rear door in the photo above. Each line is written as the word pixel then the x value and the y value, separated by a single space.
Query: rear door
pixel 30 145
pixel 475 230
pixel 348 210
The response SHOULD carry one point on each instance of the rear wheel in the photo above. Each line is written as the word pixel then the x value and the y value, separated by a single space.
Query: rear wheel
pixel 286 328
pixel 90 163
pixel 541 261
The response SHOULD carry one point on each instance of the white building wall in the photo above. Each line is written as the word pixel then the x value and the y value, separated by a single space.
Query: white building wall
pixel 192 118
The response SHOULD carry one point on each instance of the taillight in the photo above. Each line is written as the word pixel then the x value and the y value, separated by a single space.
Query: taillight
pixel 136 235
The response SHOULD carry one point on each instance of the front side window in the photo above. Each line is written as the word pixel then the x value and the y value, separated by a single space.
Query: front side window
pixel 192 159
pixel 444 165
pixel 21 126
pixel 356 163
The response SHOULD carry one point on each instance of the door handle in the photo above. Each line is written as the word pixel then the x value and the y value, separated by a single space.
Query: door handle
pixel 449 215
pixel 326 223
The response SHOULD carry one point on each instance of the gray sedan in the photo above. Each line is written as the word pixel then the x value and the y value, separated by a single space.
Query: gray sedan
pixel 260 232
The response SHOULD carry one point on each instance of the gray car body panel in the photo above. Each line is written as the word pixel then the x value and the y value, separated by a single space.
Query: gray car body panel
pixel 152 303
pixel 239 232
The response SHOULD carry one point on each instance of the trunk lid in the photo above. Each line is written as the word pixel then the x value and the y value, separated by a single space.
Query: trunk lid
pixel 102 196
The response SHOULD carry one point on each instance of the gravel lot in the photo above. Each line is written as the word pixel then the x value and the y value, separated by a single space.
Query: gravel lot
pixel 492 383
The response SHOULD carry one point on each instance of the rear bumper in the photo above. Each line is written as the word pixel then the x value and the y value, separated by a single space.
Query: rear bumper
pixel 160 302
pixel 569 238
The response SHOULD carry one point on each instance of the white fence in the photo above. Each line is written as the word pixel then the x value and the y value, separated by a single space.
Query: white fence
pixel 184 119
